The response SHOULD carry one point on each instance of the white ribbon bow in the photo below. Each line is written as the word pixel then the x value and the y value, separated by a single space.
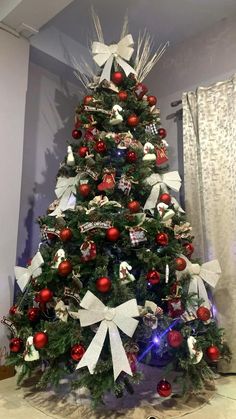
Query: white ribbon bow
pixel 111 318
pixel 171 179
pixel 121 52
pixel 65 191
pixel 23 275
pixel 208 272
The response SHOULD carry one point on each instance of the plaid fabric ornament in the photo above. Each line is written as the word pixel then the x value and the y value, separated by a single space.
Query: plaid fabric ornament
pixel 125 185
pixel 137 235
pixel 152 129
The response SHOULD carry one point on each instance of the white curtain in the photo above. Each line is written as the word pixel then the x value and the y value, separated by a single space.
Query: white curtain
pixel 209 135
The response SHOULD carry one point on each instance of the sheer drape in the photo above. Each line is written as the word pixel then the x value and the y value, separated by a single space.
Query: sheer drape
pixel 209 135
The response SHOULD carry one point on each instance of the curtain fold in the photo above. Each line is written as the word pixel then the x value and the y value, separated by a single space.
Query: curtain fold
pixel 209 136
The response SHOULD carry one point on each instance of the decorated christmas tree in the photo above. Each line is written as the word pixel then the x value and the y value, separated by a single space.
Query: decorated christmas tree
pixel 114 284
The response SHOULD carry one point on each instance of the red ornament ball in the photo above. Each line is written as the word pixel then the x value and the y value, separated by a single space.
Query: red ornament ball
pixel 15 345
pixel 88 99
pixel 103 284
pixel 213 353
pixel 77 351
pixel 40 340
pixel 65 268
pixel 117 77
pixel 153 277
pixel 100 146
pixel 123 95
pixel 180 264
pixel 45 295
pixel 174 338
pixel 133 120
pixel 133 206
pixel 162 239
pixel 112 234
pixel 165 198
pixel 152 100
pixel 203 314
pixel 33 314
pixel 131 156
pixel 66 234
pixel 84 189
pixel 13 310
pixel 76 134
pixel 162 133
pixel 164 388
pixel 188 249
pixel 82 151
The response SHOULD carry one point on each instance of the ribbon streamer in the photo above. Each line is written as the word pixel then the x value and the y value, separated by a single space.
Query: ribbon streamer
pixel 106 54
pixel 65 192
pixel 110 318
pixel 23 275
pixel 158 182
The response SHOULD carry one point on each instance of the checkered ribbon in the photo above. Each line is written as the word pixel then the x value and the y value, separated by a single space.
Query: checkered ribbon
pixel 137 235
pixel 125 185
pixel 152 129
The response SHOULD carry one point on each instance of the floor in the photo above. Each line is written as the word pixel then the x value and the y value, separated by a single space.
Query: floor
pixel 222 405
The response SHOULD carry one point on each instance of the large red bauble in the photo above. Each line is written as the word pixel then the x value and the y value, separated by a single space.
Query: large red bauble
pixel 165 198
pixel 133 206
pixel 131 156
pixel 66 234
pixel 152 100
pixel 88 99
pixel 153 277
pixel 162 239
pixel 162 133
pixel 100 146
pixel 40 340
pixel 82 151
pixel 123 95
pixel 174 338
pixel 112 234
pixel 203 314
pixel 76 134
pixel 213 353
pixel 33 314
pixel 117 77
pixel 65 268
pixel 13 310
pixel 77 351
pixel 103 284
pixel 180 264
pixel 84 189
pixel 188 249
pixel 164 388
pixel 15 345
pixel 45 295
pixel 133 120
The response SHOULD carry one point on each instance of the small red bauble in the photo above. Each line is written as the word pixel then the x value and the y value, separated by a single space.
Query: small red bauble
pixel 162 133
pixel 122 95
pixel 13 310
pixel 76 134
pixel 180 264
pixel 82 151
pixel 84 189
pixel 66 234
pixel 103 284
pixel 131 156
pixel 33 314
pixel 188 249
pixel 213 353
pixel 15 345
pixel 133 206
pixel 153 277
pixel 133 120
pixel 174 338
pixel 40 340
pixel 117 77
pixel 203 314
pixel 162 239
pixel 88 99
pixel 65 268
pixel 77 351
pixel 164 388
pixel 152 100
pixel 166 198
pixel 112 234
pixel 100 146
pixel 45 295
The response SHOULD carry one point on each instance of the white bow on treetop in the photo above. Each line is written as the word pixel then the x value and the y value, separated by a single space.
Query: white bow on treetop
pixel 106 54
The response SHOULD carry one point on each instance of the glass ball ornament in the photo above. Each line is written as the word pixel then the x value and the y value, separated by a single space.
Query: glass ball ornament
pixel 45 295
pixel 40 340
pixel 100 146
pixel 84 189
pixel 165 198
pixel 103 284
pixel 133 120
pixel 66 234
pixel 117 77
pixel 82 151
pixel 164 388
pixel 123 95
pixel 203 314
pixel 65 268
pixel 88 99
pixel 15 345
pixel 33 314
pixel 153 277
pixel 77 352
pixel 152 100
pixel 180 264
pixel 13 310
pixel 174 339
pixel 76 134
pixel 112 234
pixel 213 353
pixel 162 239
pixel 188 249
pixel 133 206
pixel 131 156
pixel 162 132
